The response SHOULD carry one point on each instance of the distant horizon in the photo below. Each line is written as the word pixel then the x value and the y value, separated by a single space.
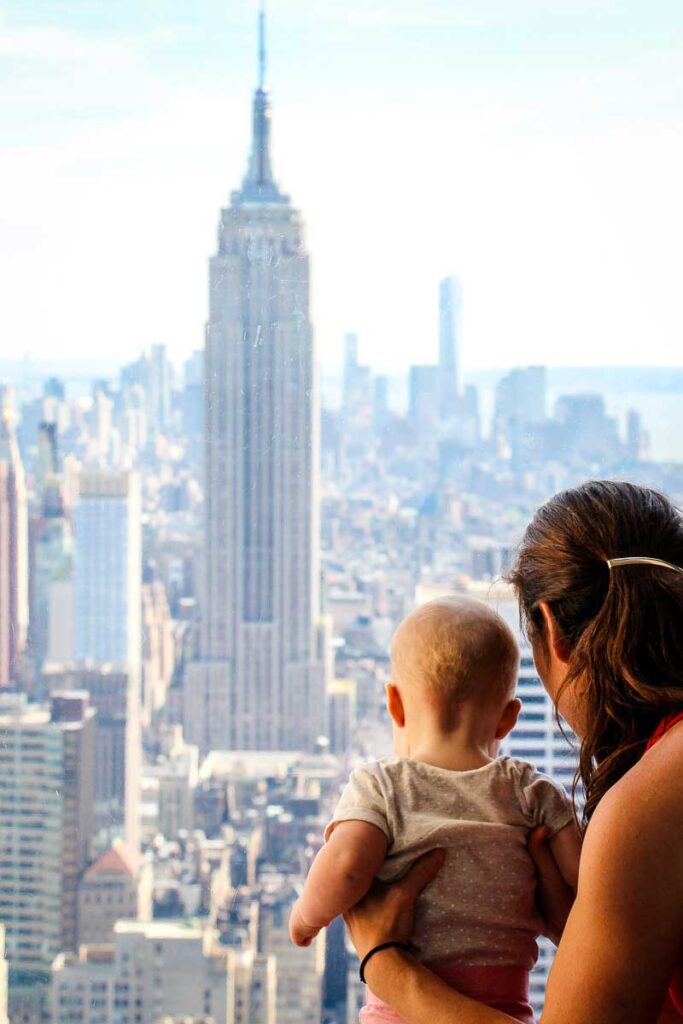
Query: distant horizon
pixel 90 365
pixel 653 390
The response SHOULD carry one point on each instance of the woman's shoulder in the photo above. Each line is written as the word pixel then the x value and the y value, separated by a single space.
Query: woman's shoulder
pixel 644 810
pixel 655 781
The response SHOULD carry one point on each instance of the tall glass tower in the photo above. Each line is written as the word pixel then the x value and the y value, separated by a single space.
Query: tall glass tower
pixel 450 306
pixel 259 682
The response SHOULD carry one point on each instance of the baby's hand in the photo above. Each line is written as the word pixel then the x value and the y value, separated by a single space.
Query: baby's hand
pixel 300 933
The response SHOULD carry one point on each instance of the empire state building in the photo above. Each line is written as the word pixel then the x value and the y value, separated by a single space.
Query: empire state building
pixel 259 682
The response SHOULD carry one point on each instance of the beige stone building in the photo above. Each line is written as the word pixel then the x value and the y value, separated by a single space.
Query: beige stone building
pixel 117 887
pixel 159 971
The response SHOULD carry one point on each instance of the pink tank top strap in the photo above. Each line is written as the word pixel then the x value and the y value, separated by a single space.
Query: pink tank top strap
pixel 662 729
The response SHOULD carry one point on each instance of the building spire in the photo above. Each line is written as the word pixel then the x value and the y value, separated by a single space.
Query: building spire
pixel 259 185
pixel 262 46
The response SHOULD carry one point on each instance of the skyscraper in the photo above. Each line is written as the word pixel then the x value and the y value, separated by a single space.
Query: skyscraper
pixel 73 715
pixel 51 630
pixel 520 412
pixel 259 682
pixel 108 630
pixel 46 814
pixel 159 385
pixel 424 387
pixel 13 547
pixel 117 770
pixel 108 570
pixel 450 305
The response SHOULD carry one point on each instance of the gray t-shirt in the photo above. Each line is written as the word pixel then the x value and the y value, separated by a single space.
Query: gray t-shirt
pixel 480 909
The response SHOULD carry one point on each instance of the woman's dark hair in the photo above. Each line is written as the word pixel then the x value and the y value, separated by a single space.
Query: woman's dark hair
pixel 623 628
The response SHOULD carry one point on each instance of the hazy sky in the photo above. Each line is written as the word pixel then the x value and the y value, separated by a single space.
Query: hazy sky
pixel 535 147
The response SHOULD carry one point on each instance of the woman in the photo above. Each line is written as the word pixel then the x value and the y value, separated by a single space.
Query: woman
pixel 600 586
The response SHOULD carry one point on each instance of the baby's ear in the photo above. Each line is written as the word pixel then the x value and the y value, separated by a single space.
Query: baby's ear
pixel 508 720
pixel 395 705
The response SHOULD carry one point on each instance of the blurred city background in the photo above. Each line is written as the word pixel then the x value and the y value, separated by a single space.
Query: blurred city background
pixel 208 537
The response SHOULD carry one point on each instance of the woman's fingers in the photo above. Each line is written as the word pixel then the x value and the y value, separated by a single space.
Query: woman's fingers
pixel 386 913
pixel 554 896
pixel 537 846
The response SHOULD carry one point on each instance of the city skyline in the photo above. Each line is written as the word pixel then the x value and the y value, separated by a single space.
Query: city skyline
pixel 558 124
pixel 206 543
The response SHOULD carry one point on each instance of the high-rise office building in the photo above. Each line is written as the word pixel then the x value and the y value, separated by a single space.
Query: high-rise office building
pixel 108 569
pixel 521 396
pixel 158 649
pixel 586 430
pixel 47 462
pixel 520 412
pixel 117 769
pixel 3 978
pixel 72 713
pixel 46 807
pixel 259 682
pixel 14 607
pixel 423 396
pixel 159 390
pixel 158 971
pixel 450 307
pixel 300 972
pixel 357 384
pixel 51 626
pixel 108 635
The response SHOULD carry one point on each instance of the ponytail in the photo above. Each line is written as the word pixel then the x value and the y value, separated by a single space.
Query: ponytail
pixel 623 629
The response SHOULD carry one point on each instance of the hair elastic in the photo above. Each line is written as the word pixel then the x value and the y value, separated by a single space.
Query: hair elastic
pixel 407 947
pixel 642 560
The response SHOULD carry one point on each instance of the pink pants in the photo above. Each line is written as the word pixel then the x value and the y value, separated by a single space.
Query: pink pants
pixel 502 988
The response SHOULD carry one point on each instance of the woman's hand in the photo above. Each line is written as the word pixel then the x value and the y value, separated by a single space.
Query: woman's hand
pixel 554 896
pixel 386 913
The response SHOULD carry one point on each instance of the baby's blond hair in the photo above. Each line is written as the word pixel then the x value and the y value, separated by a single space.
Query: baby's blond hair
pixel 457 649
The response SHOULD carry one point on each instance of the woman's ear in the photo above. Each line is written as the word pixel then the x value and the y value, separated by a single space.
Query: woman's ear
pixel 557 643
pixel 395 705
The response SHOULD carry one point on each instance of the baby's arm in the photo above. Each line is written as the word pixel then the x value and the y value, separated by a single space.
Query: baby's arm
pixel 340 876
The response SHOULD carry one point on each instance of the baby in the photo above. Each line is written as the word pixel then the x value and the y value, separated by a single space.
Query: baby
pixel 451 699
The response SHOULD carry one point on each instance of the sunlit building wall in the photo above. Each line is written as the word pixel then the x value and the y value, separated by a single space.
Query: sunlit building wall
pixel 259 682
pixel 46 806
pixel 450 310
pixel 14 607
pixel 108 569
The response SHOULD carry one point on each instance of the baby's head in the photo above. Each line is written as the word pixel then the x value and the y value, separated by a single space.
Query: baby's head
pixel 452 658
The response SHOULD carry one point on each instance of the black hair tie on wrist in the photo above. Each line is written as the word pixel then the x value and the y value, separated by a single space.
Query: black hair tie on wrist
pixel 407 947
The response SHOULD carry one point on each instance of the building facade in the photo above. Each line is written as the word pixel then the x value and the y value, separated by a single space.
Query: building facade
pixel 51 630
pixel 108 637
pixel 114 694
pixel 260 680
pixel 14 572
pixel 108 569
pixel 46 764
pixel 300 972
pixel 450 309
pixel 157 971
pixel 118 886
